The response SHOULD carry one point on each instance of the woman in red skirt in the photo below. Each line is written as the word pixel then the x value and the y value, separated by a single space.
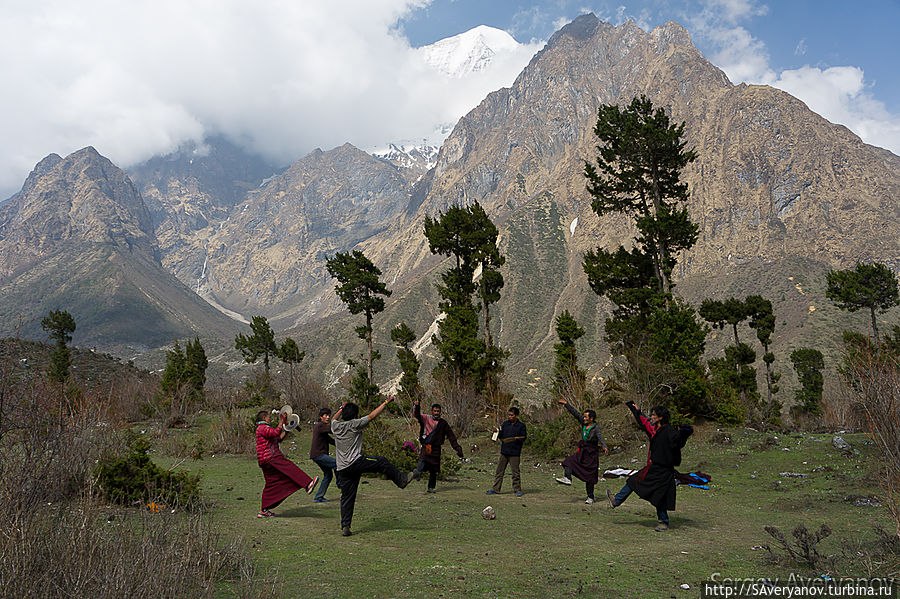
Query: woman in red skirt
pixel 283 477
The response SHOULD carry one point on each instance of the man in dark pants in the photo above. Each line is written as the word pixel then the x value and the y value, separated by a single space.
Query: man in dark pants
pixel 318 452
pixel 656 481
pixel 432 432
pixel 351 463
pixel 511 435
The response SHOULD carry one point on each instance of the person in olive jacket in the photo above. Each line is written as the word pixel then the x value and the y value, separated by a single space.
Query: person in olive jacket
pixel 585 462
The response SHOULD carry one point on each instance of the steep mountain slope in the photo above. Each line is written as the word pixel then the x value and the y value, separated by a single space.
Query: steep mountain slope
pixel 269 256
pixel 78 237
pixel 776 188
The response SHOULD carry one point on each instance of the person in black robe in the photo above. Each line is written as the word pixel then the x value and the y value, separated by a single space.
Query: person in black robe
pixel 655 482
pixel 585 461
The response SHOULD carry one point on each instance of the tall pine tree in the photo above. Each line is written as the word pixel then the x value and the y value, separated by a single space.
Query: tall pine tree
pixel 360 289
pixel 637 173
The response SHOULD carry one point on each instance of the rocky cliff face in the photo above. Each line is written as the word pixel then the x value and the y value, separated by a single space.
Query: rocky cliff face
pixel 78 237
pixel 775 184
pixel 64 203
pixel 269 255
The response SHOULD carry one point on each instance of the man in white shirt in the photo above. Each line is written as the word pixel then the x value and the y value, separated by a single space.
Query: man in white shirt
pixel 351 463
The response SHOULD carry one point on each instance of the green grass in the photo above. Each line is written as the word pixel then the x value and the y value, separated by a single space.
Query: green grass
pixel 549 543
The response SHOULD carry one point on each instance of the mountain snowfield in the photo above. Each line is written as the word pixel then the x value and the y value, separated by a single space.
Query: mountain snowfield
pixel 470 52
pixel 482 58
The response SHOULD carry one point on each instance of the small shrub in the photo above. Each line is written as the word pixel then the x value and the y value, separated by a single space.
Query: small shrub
pixel 382 439
pixel 730 411
pixel 135 478
pixel 551 433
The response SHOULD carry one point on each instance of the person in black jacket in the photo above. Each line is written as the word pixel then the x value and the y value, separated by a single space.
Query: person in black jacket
pixel 586 459
pixel 511 435
pixel 656 481
pixel 432 432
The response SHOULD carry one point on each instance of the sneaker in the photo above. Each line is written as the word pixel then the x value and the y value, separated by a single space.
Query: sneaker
pixel 321 500
pixel 612 499
pixel 264 514
pixel 345 532
pixel 491 492
pixel 519 493
pixel 589 501
pixel 429 490
pixel 661 527
pixel 409 478
pixel 312 485
pixel 564 480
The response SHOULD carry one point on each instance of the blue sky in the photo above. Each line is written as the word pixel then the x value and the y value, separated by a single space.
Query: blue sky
pixel 282 77
pixel 788 34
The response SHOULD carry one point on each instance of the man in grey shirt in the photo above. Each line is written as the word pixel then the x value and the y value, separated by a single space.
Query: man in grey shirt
pixel 351 462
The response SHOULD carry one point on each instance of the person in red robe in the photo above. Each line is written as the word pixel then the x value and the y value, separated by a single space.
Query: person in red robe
pixel 282 476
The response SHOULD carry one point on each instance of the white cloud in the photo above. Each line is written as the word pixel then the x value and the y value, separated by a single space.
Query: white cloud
pixel 837 93
pixel 138 78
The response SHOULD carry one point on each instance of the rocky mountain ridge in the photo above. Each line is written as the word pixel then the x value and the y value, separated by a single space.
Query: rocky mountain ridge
pixel 778 192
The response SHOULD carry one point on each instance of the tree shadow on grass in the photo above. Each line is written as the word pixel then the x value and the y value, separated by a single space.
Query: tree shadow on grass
pixel 315 511
pixel 386 524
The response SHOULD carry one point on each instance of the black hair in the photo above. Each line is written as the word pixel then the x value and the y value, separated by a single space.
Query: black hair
pixel 350 412
pixel 592 414
pixel 261 415
pixel 324 411
pixel 436 405
pixel 514 410
pixel 662 412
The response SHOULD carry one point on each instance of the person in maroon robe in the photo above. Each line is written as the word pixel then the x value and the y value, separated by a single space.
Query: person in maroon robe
pixel 585 462
pixel 655 482
pixel 433 430
pixel 282 476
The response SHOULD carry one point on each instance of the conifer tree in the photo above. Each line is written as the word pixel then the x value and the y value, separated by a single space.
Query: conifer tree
pixel 359 287
pixel 289 353
pixel 762 320
pixel 808 363
pixel 60 325
pixel 637 173
pixel 466 235
pixel 403 336
pixel 566 374
pixel 871 286
pixel 260 343
pixel 736 368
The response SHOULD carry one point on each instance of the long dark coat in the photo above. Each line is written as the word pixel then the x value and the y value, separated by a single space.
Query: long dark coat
pixel 655 482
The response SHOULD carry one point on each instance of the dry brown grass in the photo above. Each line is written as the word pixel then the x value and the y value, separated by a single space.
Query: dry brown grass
pixel 58 538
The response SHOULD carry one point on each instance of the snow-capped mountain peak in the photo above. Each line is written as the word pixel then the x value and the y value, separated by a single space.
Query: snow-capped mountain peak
pixel 468 52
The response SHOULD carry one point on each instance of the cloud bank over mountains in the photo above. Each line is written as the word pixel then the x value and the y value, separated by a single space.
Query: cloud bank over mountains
pixel 136 79
pixel 280 78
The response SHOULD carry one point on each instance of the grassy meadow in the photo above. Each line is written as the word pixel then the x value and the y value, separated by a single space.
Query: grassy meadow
pixel 548 543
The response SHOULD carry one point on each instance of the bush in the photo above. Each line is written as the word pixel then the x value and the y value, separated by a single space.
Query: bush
pixel 135 478
pixel 551 432
pixel 730 411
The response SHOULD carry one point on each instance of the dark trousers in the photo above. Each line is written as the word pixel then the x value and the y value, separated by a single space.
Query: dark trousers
pixel 348 481
pixel 432 469
pixel 589 487
pixel 513 461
